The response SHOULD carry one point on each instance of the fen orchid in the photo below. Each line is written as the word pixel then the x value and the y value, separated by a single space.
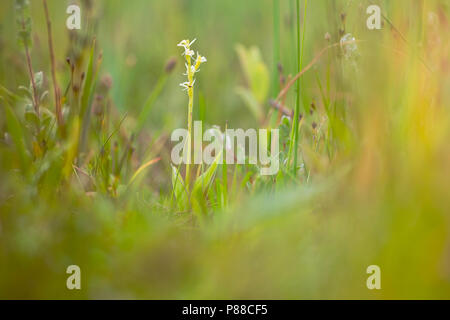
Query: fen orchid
pixel 192 67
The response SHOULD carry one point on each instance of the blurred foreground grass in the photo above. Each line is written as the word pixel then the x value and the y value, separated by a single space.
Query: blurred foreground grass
pixel 373 184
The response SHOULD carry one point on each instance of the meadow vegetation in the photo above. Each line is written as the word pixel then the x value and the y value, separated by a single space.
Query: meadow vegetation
pixel 86 176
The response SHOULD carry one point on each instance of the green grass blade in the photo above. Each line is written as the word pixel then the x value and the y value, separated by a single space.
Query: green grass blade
pixel 18 137
pixel 145 112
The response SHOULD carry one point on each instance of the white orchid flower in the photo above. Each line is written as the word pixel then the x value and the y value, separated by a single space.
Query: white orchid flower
pixel 201 58
pixel 187 69
pixel 187 85
pixel 186 44
pixel 188 52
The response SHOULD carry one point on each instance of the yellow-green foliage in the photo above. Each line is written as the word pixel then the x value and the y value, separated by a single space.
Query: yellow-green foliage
pixel 373 179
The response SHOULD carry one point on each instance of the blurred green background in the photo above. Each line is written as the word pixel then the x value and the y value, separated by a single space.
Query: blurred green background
pixel 374 183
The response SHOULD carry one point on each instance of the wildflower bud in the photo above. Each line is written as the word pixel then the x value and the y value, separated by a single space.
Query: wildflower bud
pixel 349 47
pixel 170 65
pixel 97 106
pixel 106 82
pixel 88 4
pixel 71 64
pixel 39 79
pixel 274 104
pixel 280 67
